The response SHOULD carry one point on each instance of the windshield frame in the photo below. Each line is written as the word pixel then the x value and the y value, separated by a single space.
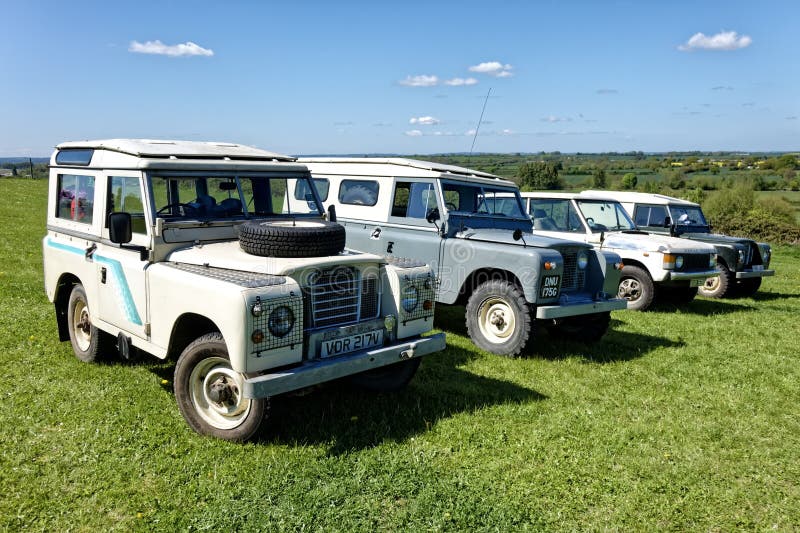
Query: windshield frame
pixel 493 190
pixel 618 209
pixel 687 228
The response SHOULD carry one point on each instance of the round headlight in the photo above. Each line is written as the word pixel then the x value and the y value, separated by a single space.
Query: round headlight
pixel 583 259
pixel 712 260
pixel 765 255
pixel 409 297
pixel 679 262
pixel 281 320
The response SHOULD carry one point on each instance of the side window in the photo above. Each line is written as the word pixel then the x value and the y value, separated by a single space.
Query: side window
pixel 413 199
pixel 640 215
pixel 125 195
pixel 656 217
pixel 302 189
pixel 76 198
pixel 357 192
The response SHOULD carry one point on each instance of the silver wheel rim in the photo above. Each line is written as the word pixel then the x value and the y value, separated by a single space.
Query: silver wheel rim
pixel 226 414
pixel 711 284
pixel 82 325
pixel 630 289
pixel 496 320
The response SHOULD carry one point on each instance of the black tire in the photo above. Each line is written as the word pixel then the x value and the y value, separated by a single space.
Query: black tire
pixel 499 318
pixel 585 328
pixel 748 287
pixel 215 407
pixel 680 295
pixel 292 238
pixel 722 286
pixel 636 286
pixel 389 378
pixel 89 343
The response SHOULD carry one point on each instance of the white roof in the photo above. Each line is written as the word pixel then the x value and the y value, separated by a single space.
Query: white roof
pixel 611 197
pixel 376 166
pixel 177 149
pixel 638 197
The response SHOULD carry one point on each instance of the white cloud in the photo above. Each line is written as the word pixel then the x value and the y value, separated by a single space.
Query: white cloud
pixel 553 119
pixel 425 121
pixel 470 132
pixel 493 68
pixel 177 50
pixel 414 133
pixel 459 82
pixel 724 40
pixel 722 88
pixel 507 132
pixel 422 80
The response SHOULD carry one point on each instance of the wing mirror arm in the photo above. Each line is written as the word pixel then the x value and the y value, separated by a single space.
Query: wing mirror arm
pixel 432 216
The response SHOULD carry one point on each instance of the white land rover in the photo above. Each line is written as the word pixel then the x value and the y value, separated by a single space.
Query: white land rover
pixel 188 249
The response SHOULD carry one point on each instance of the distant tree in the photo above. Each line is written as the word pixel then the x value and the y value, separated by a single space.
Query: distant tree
pixel 599 179
pixel 650 186
pixel 13 170
pixel 539 175
pixel 629 181
pixel 714 169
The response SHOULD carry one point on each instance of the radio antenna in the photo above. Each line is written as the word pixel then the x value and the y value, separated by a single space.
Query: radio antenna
pixel 478 127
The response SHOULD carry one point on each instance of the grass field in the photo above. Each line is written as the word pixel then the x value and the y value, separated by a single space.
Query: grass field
pixel 679 419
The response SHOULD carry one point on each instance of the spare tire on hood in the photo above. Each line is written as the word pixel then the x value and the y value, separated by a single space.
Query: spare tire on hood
pixel 292 238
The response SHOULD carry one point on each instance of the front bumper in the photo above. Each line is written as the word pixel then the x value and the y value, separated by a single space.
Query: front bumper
pixel 319 371
pixel 685 276
pixel 744 274
pixel 571 305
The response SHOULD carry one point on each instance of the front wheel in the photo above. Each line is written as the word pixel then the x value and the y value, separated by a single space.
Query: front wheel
pixel 499 318
pixel 389 378
pixel 637 287
pixel 209 392
pixel 585 328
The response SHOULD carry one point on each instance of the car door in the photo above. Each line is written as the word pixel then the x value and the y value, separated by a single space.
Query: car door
pixel 122 269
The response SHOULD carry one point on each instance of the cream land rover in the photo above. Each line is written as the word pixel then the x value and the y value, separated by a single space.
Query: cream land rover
pixel 188 249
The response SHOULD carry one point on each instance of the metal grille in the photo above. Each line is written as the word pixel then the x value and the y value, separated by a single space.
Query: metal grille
pixel 295 335
pixel 369 298
pixel 695 262
pixel 426 290
pixel 753 255
pixel 334 297
pixel 573 279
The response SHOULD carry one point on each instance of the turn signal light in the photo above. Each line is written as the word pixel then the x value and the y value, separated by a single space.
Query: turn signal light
pixel 550 265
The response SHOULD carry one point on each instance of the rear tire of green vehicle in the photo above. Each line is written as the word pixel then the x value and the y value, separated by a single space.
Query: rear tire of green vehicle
pixel 210 393
pixel 389 378
pixel 721 286
pixel 499 318
pixel 584 328
pixel 637 287
pixel 89 343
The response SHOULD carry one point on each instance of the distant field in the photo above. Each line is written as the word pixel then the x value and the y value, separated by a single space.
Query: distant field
pixel 793 197
pixel 678 420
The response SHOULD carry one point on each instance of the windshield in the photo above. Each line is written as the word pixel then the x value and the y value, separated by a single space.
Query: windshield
pixel 687 216
pixel 605 216
pixel 229 197
pixel 482 200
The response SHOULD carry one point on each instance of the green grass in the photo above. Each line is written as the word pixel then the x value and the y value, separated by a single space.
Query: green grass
pixel 681 420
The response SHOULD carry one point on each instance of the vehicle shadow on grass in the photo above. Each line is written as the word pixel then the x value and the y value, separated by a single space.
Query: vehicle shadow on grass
pixel 703 307
pixel 347 419
pixel 770 296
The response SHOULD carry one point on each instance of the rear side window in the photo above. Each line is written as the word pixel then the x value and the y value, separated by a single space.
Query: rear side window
pixel 357 192
pixel 76 198
pixel 302 191
pixel 650 215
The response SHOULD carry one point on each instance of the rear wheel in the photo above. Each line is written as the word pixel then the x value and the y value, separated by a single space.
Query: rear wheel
pixel 637 287
pixel 88 342
pixel 719 286
pixel 584 328
pixel 499 318
pixel 210 393
pixel 389 378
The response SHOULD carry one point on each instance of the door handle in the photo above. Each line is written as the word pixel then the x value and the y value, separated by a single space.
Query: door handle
pixel 376 233
pixel 90 251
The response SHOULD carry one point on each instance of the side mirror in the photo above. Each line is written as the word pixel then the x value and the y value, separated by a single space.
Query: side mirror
pixel 432 215
pixel 667 222
pixel 331 213
pixel 119 228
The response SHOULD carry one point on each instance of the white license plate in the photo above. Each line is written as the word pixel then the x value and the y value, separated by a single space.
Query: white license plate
pixel 353 343
pixel 697 282
pixel 758 268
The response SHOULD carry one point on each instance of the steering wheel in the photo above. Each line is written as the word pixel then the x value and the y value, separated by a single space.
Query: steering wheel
pixel 186 209
pixel 590 221
pixel 451 206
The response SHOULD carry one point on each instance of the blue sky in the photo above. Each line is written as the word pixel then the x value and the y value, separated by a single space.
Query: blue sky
pixel 404 77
